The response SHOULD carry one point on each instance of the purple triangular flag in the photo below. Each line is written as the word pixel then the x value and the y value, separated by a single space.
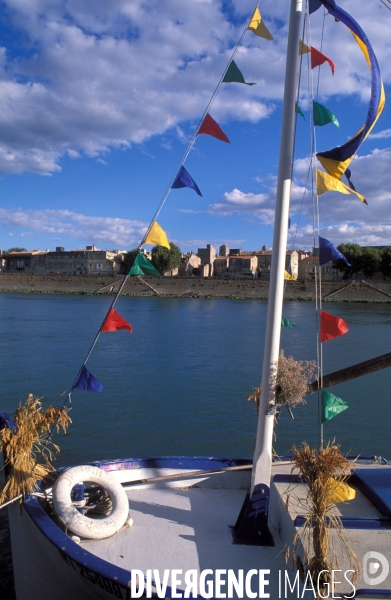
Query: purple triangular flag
pixel 328 252
pixel 86 381
pixel 184 179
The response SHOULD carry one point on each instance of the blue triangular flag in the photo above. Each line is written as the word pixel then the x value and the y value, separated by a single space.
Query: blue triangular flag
pixel 328 252
pixel 86 381
pixel 314 5
pixel 184 179
pixel 348 175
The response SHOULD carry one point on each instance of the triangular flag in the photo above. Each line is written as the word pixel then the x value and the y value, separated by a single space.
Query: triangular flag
pixel 286 323
pixel 303 48
pixel 298 110
pixel 314 5
pixel 328 183
pixel 332 406
pixel 318 58
pixel 331 326
pixel 258 27
pixel 143 266
pixel 114 322
pixel 212 128
pixel 184 179
pixel 328 252
pixel 323 115
pixel 348 175
pixel 157 236
pixel 86 381
pixel 234 75
pixel 288 276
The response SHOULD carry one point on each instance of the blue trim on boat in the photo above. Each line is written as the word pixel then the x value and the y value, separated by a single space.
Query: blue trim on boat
pixel 355 522
pixel 375 484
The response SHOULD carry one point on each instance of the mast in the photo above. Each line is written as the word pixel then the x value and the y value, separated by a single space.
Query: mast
pixel 263 449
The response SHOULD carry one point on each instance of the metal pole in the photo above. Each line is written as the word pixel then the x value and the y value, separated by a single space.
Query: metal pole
pixel 263 449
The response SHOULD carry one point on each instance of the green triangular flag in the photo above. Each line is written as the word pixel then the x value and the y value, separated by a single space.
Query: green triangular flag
pixel 298 110
pixel 286 323
pixel 234 74
pixel 332 406
pixel 143 266
pixel 323 115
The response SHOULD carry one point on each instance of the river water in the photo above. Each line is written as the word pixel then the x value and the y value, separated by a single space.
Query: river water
pixel 178 383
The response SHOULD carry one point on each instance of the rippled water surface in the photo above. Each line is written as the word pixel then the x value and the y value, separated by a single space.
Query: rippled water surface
pixel 178 383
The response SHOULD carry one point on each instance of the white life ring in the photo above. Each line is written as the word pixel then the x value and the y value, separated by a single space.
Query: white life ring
pixel 84 526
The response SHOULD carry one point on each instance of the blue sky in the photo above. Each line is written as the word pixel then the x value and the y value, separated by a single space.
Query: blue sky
pixel 99 99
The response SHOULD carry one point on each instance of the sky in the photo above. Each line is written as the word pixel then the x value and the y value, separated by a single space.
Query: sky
pixel 99 100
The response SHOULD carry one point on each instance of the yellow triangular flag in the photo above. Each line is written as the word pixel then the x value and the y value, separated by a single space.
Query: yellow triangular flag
pixel 340 492
pixel 289 277
pixel 157 236
pixel 303 48
pixel 328 183
pixel 258 27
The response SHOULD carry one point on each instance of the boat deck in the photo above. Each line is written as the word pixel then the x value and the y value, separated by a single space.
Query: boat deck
pixel 189 527
pixel 186 529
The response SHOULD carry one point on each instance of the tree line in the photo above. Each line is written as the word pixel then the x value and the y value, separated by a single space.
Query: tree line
pixel 162 258
pixel 365 260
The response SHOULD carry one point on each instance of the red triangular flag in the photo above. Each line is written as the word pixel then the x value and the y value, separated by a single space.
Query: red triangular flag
pixel 331 327
pixel 210 127
pixel 114 322
pixel 318 58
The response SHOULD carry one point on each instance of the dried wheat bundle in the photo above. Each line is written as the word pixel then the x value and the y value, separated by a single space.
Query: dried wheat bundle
pixel 28 454
pixel 293 377
pixel 321 470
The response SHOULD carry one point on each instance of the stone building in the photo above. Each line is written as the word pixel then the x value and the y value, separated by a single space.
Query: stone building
pixel 189 265
pixel 245 265
pixel 90 261
pixel 207 256
pixel 224 250
pixel 308 266
pixel 220 266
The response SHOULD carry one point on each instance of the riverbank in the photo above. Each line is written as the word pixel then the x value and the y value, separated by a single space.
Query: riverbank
pixel 191 287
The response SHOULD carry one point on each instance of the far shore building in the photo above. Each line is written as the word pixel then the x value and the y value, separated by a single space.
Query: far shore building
pixel 189 265
pixel 309 265
pixel 207 256
pixel 90 261
pixel 220 266
pixel 244 265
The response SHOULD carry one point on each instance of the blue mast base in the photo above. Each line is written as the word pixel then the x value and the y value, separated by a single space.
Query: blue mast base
pixel 251 527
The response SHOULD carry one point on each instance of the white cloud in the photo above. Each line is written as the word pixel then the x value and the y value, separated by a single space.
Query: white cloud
pixel 381 135
pixel 86 81
pixel 344 218
pixel 241 202
pixel 117 233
